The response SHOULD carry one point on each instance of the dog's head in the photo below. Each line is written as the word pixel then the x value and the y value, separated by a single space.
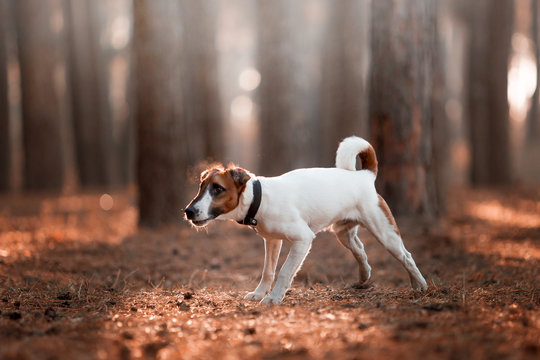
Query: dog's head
pixel 219 193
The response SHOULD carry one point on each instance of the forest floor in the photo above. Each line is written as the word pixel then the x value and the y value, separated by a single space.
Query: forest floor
pixel 78 282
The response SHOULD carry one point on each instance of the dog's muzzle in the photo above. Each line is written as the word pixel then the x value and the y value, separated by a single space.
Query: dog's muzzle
pixel 191 214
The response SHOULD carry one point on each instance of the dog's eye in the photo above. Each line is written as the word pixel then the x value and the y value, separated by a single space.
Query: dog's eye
pixel 217 189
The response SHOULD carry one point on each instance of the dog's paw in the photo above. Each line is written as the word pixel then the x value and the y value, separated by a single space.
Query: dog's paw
pixel 420 285
pixel 361 285
pixel 269 300
pixel 253 296
pixel 365 274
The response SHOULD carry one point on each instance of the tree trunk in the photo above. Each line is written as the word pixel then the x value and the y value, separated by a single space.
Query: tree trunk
pixel 402 104
pixel 489 48
pixel 287 131
pixel 161 137
pixel 345 68
pixel 5 157
pixel 91 110
pixel 124 116
pixel 275 93
pixel 533 125
pixel 202 92
pixel 45 95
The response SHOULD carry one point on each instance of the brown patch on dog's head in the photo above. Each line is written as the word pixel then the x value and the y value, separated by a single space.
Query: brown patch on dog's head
pixel 386 210
pixel 224 186
pixel 233 181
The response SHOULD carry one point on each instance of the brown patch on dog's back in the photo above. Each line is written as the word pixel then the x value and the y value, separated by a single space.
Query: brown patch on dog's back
pixel 386 210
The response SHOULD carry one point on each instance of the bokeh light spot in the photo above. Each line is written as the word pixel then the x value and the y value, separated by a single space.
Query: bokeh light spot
pixel 249 79
pixel 241 109
pixel 106 202
pixel 521 77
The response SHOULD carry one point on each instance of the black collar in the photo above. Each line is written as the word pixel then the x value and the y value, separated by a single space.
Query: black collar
pixel 254 207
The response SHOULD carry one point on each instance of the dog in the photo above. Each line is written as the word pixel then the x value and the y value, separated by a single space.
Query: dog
pixel 297 205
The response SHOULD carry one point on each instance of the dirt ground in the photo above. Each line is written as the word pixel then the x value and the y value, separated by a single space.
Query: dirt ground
pixel 79 282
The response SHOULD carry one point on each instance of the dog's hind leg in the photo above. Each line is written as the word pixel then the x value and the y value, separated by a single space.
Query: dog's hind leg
pixel 347 233
pixel 272 247
pixel 382 225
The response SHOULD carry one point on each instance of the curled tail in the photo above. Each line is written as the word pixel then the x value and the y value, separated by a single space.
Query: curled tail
pixel 354 146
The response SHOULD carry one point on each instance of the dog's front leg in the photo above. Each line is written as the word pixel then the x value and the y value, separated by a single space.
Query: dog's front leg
pixel 297 254
pixel 272 247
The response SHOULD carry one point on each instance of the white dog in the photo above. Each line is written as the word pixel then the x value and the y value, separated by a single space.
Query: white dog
pixel 297 205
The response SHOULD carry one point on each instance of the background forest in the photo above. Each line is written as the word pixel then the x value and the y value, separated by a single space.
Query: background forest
pixel 110 108
pixel 110 93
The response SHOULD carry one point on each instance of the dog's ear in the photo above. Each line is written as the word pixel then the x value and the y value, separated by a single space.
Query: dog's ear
pixel 239 176
pixel 204 174
pixel 210 169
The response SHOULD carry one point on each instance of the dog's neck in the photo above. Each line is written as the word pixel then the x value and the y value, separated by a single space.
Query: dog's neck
pixel 250 220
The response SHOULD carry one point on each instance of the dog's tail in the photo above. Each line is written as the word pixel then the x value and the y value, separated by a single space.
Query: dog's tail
pixel 354 146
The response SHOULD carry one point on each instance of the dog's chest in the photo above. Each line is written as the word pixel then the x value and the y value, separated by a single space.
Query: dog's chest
pixel 270 231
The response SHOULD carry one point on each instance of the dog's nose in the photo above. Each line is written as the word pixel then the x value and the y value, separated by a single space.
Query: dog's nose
pixel 190 213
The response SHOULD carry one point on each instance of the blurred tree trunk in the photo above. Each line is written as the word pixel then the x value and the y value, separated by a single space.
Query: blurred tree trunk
pixel 5 157
pixel 403 103
pixel 125 116
pixel 161 136
pixel 90 95
pixel 287 134
pixel 48 147
pixel 491 27
pixel 275 93
pixel 126 143
pixel 533 125
pixel 344 89
pixel 202 90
